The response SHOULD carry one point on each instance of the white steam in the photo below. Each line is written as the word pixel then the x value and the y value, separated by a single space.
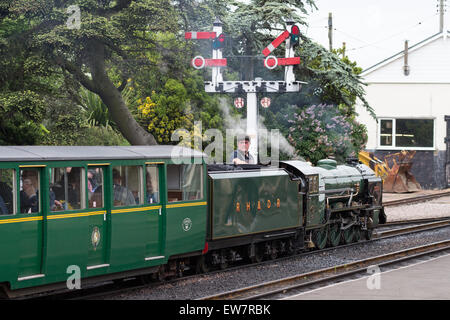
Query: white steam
pixel 239 125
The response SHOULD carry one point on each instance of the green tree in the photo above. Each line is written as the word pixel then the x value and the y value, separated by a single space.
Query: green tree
pixel 28 85
pixel 107 46
pixel 177 106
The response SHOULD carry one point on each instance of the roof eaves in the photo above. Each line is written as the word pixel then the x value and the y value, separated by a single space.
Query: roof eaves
pixel 398 54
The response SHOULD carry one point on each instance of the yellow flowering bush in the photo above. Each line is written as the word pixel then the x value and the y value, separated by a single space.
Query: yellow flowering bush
pixel 164 112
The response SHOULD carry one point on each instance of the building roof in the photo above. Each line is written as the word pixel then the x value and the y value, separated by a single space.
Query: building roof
pixel 63 153
pixel 401 53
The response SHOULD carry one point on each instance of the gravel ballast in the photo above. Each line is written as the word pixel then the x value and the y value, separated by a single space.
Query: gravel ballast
pixel 205 285
pixel 436 208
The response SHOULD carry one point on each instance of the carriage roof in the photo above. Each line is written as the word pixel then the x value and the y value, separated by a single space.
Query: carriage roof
pixel 64 153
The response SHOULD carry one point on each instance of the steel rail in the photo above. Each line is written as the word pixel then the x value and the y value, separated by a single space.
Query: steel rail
pixel 415 228
pixel 416 199
pixel 282 286
pixel 114 289
pixel 412 221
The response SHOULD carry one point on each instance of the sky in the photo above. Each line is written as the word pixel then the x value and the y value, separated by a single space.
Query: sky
pixel 374 29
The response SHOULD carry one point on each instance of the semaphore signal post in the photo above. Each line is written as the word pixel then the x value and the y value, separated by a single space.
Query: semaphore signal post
pixel 252 87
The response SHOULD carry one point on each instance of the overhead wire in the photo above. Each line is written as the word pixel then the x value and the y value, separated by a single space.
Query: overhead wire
pixel 374 44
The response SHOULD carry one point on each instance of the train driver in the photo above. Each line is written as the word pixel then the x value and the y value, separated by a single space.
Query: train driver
pixel 242 154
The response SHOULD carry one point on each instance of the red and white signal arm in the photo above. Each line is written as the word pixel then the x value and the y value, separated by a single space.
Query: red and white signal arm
pixel 199 62
pixel 265 102
pixel 194 35
pixel 275 43
pixel 271 61
pixel 239 103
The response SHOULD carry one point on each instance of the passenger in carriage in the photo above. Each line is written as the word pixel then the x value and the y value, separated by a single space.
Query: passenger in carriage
pixel 6 199
pixel 73 179
pixel 29 195
pixel 152 194
pixel 3 209
pixel 122 195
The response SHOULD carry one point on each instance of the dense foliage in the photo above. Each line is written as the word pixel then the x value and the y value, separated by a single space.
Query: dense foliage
pixel 125 71
pixel 321 130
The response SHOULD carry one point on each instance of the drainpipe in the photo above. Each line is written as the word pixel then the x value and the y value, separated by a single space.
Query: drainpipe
pixel 406 66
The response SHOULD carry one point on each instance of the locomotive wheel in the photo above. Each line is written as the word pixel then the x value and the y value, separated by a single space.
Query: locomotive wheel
pixel 224 263
pixel 368 234
pixel 320 237
pixel 201 265
pixel 259 254
pixel 290 248
pixel 334 234
pixel 357 232
pixel 348 235
pixel 274 249
pixel 160 275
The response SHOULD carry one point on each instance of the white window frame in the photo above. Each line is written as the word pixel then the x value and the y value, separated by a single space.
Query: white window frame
pixel 394 134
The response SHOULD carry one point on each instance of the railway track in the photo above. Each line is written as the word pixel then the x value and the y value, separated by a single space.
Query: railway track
pixel 272 289
pixel 133 284
pixel 428 224
pixel 405 228
pixel 416 199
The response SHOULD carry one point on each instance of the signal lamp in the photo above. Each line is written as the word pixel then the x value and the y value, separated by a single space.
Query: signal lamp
pixel 219 42
pixel 295 34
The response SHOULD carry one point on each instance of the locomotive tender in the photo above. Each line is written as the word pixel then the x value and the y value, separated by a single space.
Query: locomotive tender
pixel 132 211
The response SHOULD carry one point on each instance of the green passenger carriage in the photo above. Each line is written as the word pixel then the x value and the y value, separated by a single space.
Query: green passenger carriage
pixel 145 209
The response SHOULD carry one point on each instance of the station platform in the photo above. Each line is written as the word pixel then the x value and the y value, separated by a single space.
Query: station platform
pixel 427 280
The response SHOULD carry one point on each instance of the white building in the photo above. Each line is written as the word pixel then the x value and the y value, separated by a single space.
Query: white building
pixel 410 94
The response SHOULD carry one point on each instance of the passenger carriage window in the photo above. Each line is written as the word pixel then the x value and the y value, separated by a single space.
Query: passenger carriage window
pixel 7 192
pixel 95 187
pixel 29 191
pixel 184 182
pixel 152 184
pixel 127 185
pixel 67 189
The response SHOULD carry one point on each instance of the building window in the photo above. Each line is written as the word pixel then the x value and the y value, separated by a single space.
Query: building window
pixel 386 132
pixel 406 133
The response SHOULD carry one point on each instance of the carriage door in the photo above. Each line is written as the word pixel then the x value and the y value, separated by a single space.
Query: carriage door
pixel 155 200
pixel 30 216
pixel 447 141
pixel 98 225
